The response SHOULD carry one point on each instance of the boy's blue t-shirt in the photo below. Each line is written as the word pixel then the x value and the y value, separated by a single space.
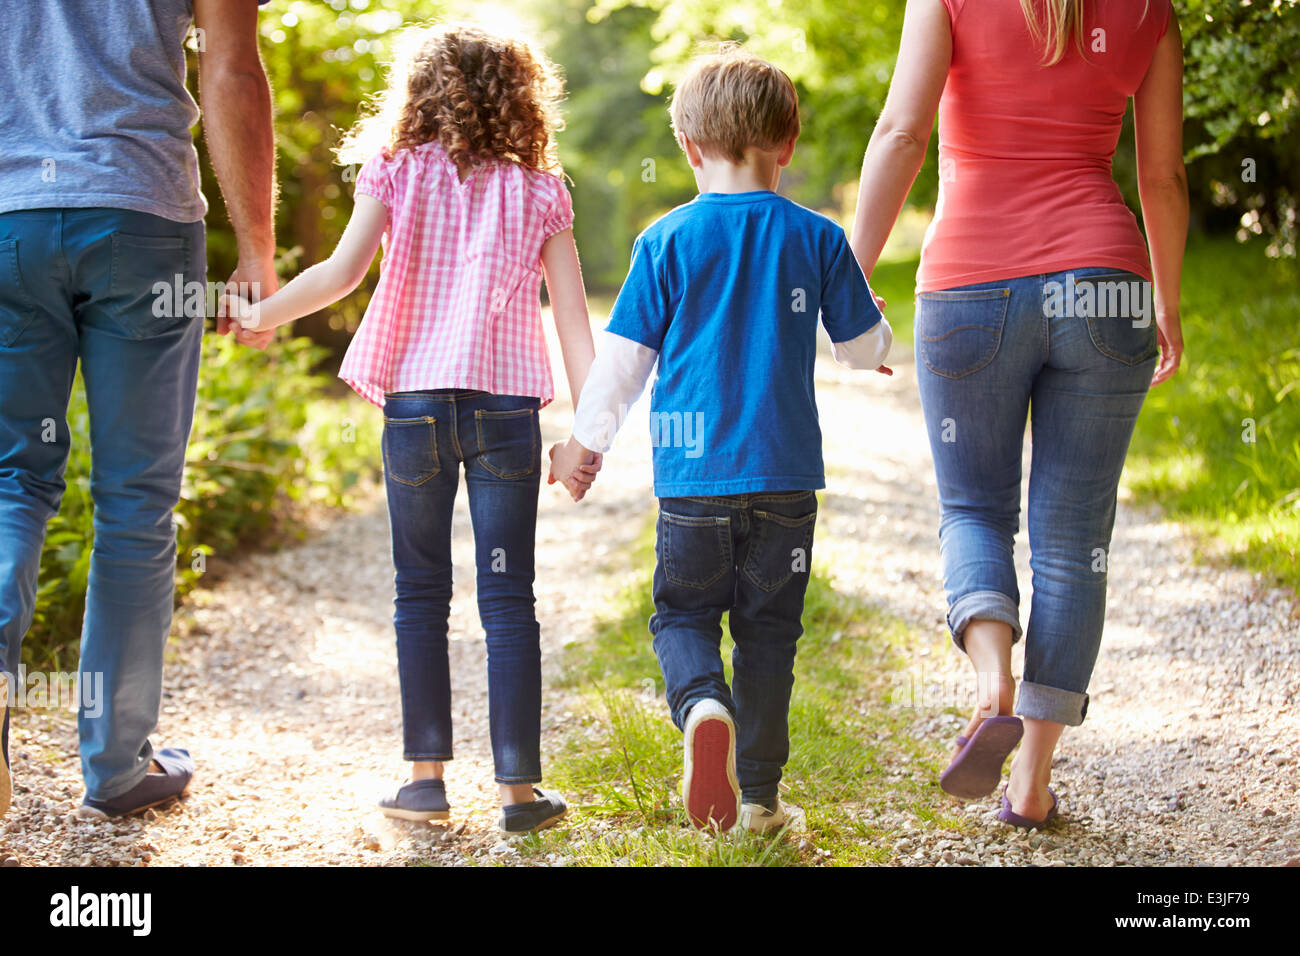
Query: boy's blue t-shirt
pixel 727 289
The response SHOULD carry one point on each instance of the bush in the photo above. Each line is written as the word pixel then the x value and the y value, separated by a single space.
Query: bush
pixel 267 442
pixel 1219 445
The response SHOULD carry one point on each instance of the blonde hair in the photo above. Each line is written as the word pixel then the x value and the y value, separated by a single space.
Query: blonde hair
pixel 481 96
pixel 1061 22
pixel 731 100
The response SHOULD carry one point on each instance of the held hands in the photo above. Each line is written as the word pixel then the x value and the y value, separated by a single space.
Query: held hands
pixel 574 466
pixel 233 310
pixel 880 304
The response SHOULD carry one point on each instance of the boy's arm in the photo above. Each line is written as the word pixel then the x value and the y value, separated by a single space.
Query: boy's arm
pixel 615 382
pixel 326 282
pixel 869 350
pixel 617 377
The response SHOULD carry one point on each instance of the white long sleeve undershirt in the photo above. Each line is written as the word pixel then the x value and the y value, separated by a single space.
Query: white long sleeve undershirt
pixel 622 366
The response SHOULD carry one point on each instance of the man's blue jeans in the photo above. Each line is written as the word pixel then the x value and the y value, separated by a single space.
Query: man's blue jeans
pixel 78 285
pixel 747 556
pixel 427 437
pixel 987 356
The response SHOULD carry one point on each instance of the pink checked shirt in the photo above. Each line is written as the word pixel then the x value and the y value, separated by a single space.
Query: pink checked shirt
pixel 458 301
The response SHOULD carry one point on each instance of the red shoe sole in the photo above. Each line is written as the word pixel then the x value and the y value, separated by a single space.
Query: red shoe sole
pixel 710 799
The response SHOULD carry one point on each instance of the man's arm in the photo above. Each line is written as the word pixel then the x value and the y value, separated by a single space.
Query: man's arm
pixel 236 101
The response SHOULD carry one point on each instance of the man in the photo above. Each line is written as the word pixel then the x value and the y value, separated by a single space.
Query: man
pixel 99 202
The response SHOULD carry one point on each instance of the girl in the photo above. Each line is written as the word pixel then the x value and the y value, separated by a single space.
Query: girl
pixel 461 182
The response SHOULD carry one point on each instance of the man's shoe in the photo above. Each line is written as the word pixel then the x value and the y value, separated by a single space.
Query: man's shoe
pixel 709 786
pixel 6 785
pixel 155 788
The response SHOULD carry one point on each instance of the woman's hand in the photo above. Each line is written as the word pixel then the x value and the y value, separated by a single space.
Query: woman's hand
pixel 1169 333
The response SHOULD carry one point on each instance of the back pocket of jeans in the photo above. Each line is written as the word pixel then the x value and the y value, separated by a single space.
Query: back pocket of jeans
pixel 780 547
pixel 509 442
pixel 16 307
pixel 411 449
pixel 959 331
pixel 695 549
pixel 1120 319
pixel 151 287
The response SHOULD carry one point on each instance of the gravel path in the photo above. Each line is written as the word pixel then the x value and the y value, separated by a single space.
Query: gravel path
pixel 1190 749
pixel 282 682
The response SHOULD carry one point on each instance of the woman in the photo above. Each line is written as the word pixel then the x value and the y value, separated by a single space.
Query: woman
pixel 1033 298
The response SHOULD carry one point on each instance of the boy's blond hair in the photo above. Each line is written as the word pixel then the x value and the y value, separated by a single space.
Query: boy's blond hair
pixel 732 100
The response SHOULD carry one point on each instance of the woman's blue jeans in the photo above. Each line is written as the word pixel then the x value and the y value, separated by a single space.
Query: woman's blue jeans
pixel 1078 365
pixel 428 436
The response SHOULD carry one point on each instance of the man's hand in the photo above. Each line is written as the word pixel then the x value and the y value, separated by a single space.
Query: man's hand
pixel 575 466
pixel 262 282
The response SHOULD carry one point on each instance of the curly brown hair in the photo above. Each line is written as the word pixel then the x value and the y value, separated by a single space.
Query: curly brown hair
pixel 483 97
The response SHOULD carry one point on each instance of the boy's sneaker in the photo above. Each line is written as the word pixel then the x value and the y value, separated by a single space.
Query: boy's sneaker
pixel 763 819
pixel 709 786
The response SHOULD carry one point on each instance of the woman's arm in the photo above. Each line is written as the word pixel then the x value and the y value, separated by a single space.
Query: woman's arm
pixel 569 308
pixel 897 147
pixel 1162 186
pixel 326 282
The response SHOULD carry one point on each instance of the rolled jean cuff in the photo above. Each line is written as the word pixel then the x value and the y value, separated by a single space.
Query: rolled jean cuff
pixel 1040 702
pixel 984 606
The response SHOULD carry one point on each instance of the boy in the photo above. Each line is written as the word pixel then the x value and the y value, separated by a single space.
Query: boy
pixel 724 293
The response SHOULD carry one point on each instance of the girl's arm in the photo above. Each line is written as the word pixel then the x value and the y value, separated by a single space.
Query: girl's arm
pixel 326 282
pixel 569 308
pixel 1162 187
pixel 898 144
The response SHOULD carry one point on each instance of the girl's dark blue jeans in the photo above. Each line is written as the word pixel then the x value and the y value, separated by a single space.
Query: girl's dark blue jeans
pixel 428 436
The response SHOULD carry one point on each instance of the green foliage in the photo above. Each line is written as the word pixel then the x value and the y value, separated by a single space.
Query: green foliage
pixel 1241 379
pixel 1241 90
pixel 265 445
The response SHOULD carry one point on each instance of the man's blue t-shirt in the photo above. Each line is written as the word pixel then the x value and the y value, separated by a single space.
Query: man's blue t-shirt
pixel 727 289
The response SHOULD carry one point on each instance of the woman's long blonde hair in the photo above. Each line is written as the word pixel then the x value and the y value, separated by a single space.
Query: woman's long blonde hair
pixel 1060 22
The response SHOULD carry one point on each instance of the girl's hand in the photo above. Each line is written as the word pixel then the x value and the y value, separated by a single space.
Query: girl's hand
pixel 1169 333
pixel 574 466
pixel 245 314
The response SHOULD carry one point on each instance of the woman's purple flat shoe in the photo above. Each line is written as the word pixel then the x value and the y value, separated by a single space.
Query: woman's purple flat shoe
pixel 1007 815
pixel 975 772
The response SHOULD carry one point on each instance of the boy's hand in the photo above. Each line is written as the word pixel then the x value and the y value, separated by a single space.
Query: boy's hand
pixel 575 466
pixel 880 304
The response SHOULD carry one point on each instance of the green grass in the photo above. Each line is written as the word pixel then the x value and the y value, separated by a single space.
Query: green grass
pixel 1241 366
pixel 851 752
